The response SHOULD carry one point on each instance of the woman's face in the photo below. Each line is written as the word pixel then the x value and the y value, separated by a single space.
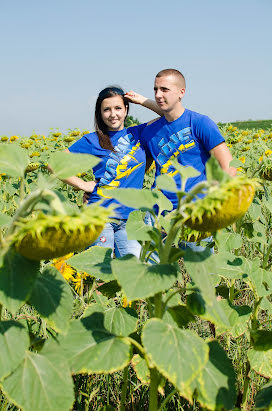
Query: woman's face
pixel 113 112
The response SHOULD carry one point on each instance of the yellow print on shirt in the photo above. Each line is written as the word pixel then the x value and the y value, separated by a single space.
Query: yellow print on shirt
pixel 122 171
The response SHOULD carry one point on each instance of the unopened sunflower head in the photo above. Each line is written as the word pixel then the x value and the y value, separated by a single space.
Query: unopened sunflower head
pixel 49 236
pixel 32 167
pixel 223 205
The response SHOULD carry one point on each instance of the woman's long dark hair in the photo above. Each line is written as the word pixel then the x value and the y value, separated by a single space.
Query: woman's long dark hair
pixel 100 127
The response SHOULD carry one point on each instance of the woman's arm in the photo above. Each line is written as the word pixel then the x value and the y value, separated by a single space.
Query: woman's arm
pixel 77 182
pixel 143 101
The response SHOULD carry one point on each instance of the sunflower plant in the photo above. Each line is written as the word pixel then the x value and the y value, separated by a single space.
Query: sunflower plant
pixel 106 335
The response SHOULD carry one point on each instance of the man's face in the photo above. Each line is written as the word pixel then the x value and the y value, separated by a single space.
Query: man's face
pixel 168 93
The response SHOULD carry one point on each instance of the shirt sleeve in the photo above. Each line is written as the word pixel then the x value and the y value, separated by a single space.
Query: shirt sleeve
pixel 208 133
pixel 83 146
pixel 138 132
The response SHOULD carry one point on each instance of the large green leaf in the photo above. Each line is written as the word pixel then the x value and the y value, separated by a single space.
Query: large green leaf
pixel 179 355
pixel 263 400
pixel 14 341
pixel 52 298
pixel 261 362
pixel 181 315
pixel 41 382
pixel 136 227
pixel 215 383
pixel 17 278
pixel 117 320
pixel 200 269
pixel 140 280
pixel 261 340
pixel 13 160
pixel 238 317
pixel 66 165
pixel 228 241
pixel 136 198
pixel 166 182
pixel 96 261
pixel 140 367
pixel 231 266
pixel 91 348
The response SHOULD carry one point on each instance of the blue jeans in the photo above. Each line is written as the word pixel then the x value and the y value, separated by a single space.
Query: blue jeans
pixel 114 236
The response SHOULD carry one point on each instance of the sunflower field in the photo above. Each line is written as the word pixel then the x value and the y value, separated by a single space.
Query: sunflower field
pixel 83 330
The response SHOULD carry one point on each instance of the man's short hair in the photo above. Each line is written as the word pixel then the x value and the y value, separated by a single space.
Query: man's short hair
pixel 173 72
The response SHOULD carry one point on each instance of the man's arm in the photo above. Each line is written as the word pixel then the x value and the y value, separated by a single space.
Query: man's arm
pixel 143 101
pixel 224 157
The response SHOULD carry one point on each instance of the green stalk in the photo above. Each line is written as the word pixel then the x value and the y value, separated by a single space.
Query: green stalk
pixel 153 390
pixel 158 305
pixel 22 189
pixel 246 385
pixel 124 389
pixel 266 257
pixel 231 291
pixel 1 307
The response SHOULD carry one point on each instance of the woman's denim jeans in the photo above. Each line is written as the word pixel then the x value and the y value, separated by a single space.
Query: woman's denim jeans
pixel 114 236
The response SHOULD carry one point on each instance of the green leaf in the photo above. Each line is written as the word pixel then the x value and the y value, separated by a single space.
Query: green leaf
pixel 96 261
pixel 166 182
pixel 117 320
pixel 41 382
pixel 14 342
pixel 206 302
pixel 215 384
pixel 17 278
pixel 228 241
pixel 181 315
pixel 91 348
pixel 263 399
pixel 178 354
pixel 140 367
pixel 109 289
pixel 132 197
pixel 185 171
pixel 231 266
pixel 136 227
pixel 52 298
pixel 214 171
pixel 13 160
pixel 140 280
pixel 4 219
pixel 238 318
pixel 65 165
pixel 261 362
pixel 261 339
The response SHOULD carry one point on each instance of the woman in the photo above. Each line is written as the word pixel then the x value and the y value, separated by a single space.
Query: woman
pixel 122 162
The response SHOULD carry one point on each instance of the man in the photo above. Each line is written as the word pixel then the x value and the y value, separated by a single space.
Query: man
pixel 181 133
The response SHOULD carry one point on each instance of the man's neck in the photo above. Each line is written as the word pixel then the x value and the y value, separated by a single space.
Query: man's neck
pixel 174 114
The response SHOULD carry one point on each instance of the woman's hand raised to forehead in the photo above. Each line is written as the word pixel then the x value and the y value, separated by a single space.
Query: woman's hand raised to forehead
pixel 135 98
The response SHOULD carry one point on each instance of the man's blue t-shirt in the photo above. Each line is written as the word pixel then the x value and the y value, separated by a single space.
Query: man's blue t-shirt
pixel 189 139
pixel 122 168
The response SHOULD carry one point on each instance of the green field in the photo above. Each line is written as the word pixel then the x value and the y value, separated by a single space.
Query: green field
pixel 250 124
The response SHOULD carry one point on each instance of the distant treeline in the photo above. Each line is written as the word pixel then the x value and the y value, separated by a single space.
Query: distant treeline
pixel 264 124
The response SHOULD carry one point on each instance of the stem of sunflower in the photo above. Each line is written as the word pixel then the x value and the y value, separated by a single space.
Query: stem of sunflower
pixel 124 389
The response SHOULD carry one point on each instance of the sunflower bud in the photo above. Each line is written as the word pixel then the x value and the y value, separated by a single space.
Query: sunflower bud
pixel 51 236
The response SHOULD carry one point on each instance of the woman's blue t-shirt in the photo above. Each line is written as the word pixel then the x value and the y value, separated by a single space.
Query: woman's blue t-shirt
pixel 122 168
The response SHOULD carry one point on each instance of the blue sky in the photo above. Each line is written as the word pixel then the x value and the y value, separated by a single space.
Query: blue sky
pixel 56 55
